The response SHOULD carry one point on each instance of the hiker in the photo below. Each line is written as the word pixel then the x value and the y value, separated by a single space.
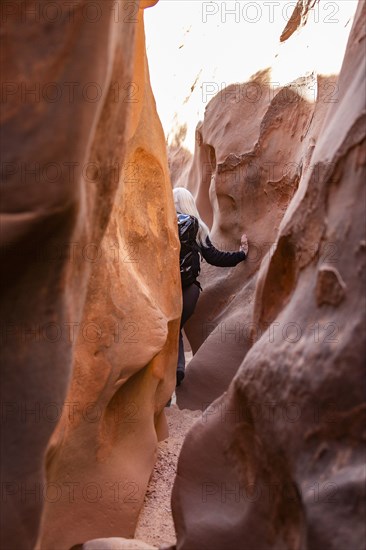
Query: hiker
pixel 195 241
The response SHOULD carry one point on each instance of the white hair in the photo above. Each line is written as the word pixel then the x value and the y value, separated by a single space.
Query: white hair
pixel 185 204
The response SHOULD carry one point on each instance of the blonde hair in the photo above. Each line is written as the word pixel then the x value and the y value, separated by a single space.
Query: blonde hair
pixel 185 204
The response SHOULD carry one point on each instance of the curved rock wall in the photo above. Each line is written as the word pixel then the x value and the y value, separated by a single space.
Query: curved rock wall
pixel 244 176
pixel 277 460
pixel 127 374
pixel 91 273
pixel 91 281
pixel 253 149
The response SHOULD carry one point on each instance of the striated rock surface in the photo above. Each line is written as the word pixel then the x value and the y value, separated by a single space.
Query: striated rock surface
pixel 298 18
pixel 253 148
pixel 124 372
pixel 91 273
pixel 49 202
pixel 244 175
pixel 277 461
pixel 91 280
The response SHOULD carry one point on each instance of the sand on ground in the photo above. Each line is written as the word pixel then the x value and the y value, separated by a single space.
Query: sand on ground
pixel 155 525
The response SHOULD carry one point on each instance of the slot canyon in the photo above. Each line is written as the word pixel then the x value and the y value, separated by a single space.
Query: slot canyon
pixel 262 446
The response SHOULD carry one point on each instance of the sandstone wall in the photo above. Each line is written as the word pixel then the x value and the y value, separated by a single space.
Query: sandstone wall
pixel 277 460
pixel 91 295
pixel 128 373
pixel 91 273
pixel 253 148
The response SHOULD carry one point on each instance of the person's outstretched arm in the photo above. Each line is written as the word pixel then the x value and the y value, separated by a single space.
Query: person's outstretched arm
pixel 219 258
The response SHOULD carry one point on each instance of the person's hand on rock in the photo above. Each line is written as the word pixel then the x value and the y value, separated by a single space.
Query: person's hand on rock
pixel 244 243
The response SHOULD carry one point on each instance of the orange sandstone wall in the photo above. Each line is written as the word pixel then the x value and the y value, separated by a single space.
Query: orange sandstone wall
pixel 128 373
pixel 277 461
pixel 252 151
pixel 91 276
pixel 244 175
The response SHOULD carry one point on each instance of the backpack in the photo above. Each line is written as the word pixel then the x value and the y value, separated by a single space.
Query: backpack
pixel 189 251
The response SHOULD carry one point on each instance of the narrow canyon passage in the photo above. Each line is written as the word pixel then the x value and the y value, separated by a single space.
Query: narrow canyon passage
pixel 155 525
pixel 109 109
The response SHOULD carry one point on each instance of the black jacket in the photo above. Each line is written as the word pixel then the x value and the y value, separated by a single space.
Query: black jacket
pixel 191 250
pixel 218 258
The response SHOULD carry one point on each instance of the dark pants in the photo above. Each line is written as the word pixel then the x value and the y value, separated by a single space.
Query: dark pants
pixel 190 297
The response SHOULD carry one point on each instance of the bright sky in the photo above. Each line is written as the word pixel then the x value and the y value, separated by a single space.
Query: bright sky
pixel 214 44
